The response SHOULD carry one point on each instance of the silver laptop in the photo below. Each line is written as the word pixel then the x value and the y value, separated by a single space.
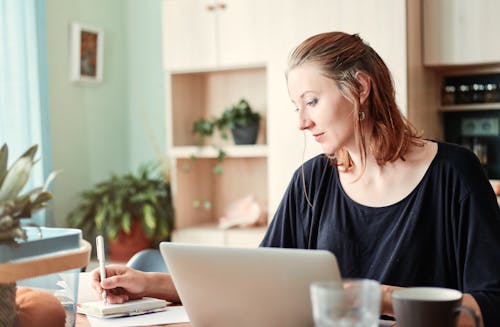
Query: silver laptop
pixel 221 286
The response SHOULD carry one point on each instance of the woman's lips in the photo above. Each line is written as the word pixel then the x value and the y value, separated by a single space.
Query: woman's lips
pixel 318 136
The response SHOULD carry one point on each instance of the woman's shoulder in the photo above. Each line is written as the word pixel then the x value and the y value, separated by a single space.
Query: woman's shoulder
pixel 457 156
pixel 314 169
pixel 314 164
pixel 458 161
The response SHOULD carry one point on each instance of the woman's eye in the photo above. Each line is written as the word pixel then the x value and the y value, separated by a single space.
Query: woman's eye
pixel 311 102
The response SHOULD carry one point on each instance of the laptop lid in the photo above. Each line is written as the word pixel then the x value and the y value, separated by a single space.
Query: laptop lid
pixel 221 286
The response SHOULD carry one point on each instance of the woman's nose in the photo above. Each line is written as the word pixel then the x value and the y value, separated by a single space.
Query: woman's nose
pixel 304 122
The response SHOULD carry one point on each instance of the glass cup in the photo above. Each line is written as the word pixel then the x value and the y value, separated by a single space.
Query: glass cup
pixel 347 303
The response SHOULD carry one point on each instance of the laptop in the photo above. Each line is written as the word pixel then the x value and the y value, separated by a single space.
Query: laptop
pixel 227 287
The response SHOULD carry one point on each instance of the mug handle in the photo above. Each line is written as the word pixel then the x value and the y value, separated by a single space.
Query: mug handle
pixel 470 312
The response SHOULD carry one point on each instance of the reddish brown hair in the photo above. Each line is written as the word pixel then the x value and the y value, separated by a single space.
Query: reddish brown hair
pixel 340 56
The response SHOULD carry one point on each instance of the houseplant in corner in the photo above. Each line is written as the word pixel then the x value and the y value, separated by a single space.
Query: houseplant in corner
pixel 132 211
pixel 13 206
pixel 16 240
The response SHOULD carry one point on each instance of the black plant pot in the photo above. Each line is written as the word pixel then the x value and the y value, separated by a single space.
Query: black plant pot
pixel 246 134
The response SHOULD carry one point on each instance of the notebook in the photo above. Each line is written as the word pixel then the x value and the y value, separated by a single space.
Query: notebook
pixel 221 286
pixel 129 308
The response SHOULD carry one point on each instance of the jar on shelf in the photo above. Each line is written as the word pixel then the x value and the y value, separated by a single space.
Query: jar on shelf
pixel 491 93
pixel 448 95
pixel 478 93
pixel 463 94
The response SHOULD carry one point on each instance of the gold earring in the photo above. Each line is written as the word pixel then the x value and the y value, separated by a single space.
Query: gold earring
pixel 362 115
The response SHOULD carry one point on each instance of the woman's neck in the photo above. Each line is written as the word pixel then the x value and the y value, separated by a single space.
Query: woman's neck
pixel 380 185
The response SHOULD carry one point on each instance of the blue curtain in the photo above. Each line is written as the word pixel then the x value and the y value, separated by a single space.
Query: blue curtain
pixel 23 85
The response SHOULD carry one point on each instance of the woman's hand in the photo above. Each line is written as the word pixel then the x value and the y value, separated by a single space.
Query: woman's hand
pixel 121 284
pixel 386 299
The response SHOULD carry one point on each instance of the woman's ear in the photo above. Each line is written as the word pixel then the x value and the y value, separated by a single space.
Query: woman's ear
pixel 365 86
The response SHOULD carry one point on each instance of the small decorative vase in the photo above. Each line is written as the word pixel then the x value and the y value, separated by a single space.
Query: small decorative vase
pixel 246 134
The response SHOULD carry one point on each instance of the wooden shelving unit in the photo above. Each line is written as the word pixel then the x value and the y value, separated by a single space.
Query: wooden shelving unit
pixel 202 94
pixel 471 106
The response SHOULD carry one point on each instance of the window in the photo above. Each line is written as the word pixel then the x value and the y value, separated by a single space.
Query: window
pixel 23 84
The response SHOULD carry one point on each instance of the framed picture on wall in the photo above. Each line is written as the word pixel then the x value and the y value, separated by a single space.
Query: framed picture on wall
pixel 86 53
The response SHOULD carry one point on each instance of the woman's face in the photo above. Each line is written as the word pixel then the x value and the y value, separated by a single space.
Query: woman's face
pixel 322 108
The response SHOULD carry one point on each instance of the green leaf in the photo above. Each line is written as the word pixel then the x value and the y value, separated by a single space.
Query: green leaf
pixel 100 218
pixel 50 178
pixel 30 153
pixel 221 155
pixel 6 223
pixel 4 156
pixel 149 218
pixel 16 178
pixel 217 169
pixel 12 234
pixel 116 202
pixel 126 222
pixel 112 232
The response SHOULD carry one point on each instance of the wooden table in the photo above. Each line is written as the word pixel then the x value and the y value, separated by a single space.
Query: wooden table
pixel 84 295
pixel 81 321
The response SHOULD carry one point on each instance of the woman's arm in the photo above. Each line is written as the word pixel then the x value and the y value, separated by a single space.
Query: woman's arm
pixel 465 320
pixel 124 283
pixel 161 285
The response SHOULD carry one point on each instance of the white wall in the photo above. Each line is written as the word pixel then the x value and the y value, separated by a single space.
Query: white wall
pixel 95 129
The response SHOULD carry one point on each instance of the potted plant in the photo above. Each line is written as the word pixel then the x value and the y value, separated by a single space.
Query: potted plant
pixel 239 118
pixel 132 211
pixel 242 121
pixel 14 207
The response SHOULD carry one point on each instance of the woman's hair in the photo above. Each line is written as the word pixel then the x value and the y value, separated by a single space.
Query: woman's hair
pixel 340 56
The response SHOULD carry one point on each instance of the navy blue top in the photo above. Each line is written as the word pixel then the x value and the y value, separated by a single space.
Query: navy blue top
pixel 445 233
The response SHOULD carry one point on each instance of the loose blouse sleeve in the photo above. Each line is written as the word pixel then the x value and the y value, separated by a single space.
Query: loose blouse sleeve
pixel 478 247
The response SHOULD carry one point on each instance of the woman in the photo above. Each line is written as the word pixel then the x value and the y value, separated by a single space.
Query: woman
pixel 390 205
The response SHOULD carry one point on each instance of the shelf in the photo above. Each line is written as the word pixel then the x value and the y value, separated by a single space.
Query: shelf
pixel 15 270
pixel 471 107
pixel 204 93
pixel 208 94
pixel 210 234
pixel 216 69
pixel 234 151
pixel 197 182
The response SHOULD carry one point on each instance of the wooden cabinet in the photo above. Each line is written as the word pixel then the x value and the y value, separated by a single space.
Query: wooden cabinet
pixel 208 34
pixel 193 95
pixel 461 32
pixel 188 34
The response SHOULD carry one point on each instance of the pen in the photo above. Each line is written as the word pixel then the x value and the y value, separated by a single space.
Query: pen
pixel 100 257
